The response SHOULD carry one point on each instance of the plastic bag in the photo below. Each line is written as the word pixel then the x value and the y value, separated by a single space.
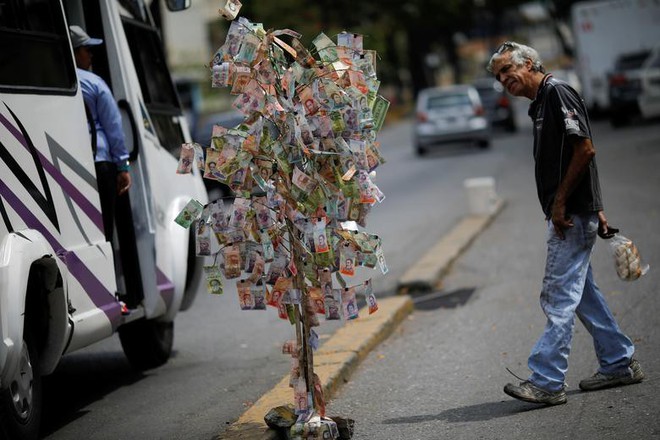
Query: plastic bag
pixel 627 260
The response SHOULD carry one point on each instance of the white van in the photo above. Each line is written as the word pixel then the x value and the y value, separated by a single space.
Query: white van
pixel 649 97
pixel 604 30
pixel 62 286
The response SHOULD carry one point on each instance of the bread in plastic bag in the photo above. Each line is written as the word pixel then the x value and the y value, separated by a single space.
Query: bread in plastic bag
pixel 627 259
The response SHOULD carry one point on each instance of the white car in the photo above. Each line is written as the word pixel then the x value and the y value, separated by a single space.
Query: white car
pixel 450 114
pixel 649 98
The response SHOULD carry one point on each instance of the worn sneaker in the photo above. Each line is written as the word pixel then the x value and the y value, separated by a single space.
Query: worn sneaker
pixel 600 381
pixel 529 392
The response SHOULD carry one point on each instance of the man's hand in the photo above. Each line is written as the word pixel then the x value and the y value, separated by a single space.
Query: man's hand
pixel 559 219
pixel 605 231
pixel 123 182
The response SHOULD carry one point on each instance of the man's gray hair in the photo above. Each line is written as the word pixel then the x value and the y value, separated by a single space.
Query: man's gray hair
pixel 519 54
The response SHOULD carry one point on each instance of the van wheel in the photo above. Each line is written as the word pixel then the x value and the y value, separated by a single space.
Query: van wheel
pixel 147 343
pixel 21 403
pixel 421 151
pixel 189 292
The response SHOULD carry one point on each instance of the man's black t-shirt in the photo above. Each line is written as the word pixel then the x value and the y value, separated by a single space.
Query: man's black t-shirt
pixel 560 118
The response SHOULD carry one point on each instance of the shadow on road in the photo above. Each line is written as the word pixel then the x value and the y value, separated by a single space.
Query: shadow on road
pixel 473 413
pixel 80 380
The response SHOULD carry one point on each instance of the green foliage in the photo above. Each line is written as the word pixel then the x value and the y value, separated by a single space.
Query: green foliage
pixel 402 32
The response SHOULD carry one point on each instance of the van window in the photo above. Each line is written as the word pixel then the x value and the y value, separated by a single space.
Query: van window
pixel 157 87
pixel 34 47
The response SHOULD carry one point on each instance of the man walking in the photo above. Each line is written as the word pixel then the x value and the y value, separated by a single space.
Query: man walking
pixel 569 191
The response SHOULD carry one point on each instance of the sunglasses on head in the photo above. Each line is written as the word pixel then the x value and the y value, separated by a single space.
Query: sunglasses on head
pixel 507 45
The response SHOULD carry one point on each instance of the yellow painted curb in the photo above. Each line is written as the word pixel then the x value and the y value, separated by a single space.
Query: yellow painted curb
pixel 425 274
pixel 334 362
pixel 338 357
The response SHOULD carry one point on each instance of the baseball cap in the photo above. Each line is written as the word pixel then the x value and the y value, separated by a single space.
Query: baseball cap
pixel 80 38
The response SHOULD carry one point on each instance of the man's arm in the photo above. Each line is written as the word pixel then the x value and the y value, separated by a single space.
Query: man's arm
pixel 583 152
pixel 110 119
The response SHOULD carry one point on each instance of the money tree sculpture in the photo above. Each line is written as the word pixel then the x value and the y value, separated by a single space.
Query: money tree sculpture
pixel 300 166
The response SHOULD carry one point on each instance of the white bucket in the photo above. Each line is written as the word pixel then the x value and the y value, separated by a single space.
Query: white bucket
pixel 481 195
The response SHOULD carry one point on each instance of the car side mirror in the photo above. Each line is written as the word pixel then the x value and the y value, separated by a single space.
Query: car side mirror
pixel 177 5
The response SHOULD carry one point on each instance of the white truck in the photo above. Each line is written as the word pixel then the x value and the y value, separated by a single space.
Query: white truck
pixel 603 30
pixel 62 285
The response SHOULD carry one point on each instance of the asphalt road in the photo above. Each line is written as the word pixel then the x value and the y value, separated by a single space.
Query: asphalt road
pixel 441 375
pixel 225 359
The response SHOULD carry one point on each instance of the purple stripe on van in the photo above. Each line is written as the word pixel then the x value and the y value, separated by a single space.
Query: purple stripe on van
pixel 101 297
pixel 84 204
pixel 165 286
pixel 98 293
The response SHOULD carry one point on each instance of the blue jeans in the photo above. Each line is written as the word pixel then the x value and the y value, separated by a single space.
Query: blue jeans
pixel 568 290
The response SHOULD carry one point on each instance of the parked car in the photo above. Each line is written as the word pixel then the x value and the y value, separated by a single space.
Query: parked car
pixel 497 103
pixel 450 114
pixel 625 87
pixel 649 97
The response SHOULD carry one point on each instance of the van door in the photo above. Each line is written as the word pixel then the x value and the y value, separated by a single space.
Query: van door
pixel 152 248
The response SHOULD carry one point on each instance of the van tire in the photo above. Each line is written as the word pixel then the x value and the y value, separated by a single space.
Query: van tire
pixel 15 424
pixel 147 343
pixel 190 291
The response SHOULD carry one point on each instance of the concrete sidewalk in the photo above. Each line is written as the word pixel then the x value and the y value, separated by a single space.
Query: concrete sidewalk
pixel 340 355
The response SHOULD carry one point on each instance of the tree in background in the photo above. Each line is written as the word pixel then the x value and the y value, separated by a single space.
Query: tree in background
pixel 404 33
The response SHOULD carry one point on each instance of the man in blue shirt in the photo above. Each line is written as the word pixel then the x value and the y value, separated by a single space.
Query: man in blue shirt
pixel 112 167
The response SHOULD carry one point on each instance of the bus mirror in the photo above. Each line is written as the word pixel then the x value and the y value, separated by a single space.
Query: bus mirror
pixel 177 5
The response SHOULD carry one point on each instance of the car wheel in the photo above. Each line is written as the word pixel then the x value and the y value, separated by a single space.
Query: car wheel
pixel 147 344
pixel 511 126
pixel 484 143
pixel 21 402
pixel 421 151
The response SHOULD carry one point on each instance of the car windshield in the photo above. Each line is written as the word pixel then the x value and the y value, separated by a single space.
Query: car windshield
pixel 444 101
pixel 488 94
pixel 632 61
pixel 487 90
